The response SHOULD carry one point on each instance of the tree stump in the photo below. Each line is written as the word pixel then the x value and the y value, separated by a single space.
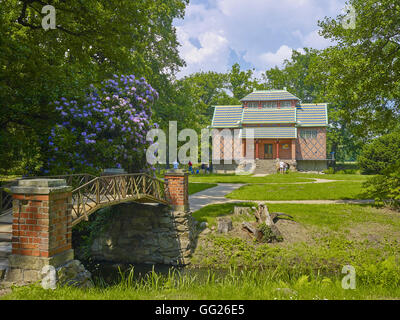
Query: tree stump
pixel 266 231
pixel 243 210
pixel 224 225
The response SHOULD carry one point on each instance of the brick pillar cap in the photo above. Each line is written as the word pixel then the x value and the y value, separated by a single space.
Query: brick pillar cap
pixel 176 172
pixel 40 186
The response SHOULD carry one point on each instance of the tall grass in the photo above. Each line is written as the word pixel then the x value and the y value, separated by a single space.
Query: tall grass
pixel 233 284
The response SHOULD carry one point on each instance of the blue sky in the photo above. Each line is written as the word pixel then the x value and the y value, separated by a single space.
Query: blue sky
pixel 257 34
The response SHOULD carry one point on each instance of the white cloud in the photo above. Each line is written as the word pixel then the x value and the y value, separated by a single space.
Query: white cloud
pixel 314 40
pixel 271 59
pixel 262 32
pixel 212 55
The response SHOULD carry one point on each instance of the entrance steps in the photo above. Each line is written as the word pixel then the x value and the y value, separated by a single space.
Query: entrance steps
pixel 265 166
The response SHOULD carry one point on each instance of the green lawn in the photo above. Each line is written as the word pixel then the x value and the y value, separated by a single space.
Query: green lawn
pixel 232 178
pixel 210 213
pixel 357 177
pixel 274 178
pixel 197 187
pixel 315 191
pixel 332 216
pixel 320 241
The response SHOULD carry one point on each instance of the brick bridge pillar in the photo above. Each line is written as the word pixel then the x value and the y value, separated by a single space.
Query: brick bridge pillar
pixel 178 189
pixel 41 231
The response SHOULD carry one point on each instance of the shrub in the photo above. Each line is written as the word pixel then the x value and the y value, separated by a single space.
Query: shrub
pixel 380 154
pixel 106 129
pixel 385 188
pixel 329 171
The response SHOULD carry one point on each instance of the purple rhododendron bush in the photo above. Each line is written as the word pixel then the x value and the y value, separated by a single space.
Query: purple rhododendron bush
pixel 107 129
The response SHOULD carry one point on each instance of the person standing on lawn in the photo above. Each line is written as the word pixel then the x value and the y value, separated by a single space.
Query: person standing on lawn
pixel 190 167
pixel 281 167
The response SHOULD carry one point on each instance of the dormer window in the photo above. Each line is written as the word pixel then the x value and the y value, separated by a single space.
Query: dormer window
pixel 270 104
pixel 263 104
pixel 252 104
pixel 270 99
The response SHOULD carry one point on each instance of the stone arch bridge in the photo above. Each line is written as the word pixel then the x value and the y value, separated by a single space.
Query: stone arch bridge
pixel 37 216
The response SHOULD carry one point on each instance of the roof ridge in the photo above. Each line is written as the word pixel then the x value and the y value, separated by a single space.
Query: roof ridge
pixel 232 105
pixel 312 104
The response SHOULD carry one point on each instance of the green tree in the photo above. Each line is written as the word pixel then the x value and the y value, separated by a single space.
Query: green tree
pixel 294 76
pixel 380 154
pixel 385 188
pixel 106 129
pixel 298 76
pixel 241 83
pixel 94 39
pixel 363 68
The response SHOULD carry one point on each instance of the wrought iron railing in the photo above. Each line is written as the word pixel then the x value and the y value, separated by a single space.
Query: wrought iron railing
pixel 107 190
pixel 91 193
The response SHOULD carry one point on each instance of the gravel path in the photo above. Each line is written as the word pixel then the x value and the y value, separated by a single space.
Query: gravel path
pixel 212 196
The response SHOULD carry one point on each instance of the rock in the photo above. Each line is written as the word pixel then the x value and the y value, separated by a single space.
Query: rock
pixel 74 274
pixel 145 234
pixel 166 244
pixel 5 291
pixel 203 225
pixel 224 225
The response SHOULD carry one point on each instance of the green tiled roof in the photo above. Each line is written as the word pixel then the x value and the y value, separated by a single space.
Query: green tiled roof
pixel 270 132
pixel 271 95
pixel 268 115
pixel 227 116
pixel 312 115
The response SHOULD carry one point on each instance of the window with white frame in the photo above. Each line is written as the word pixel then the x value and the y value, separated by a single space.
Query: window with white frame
pixel 270 104
pixel 308 134
pixel 264 104
pixel 286 104
pixel 252 104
